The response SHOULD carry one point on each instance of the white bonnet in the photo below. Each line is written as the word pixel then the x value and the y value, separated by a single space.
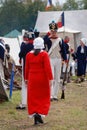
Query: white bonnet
pixel 38 43
pixel 84 40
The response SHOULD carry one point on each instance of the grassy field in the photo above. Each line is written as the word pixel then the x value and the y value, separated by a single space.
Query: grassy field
pixel 68 114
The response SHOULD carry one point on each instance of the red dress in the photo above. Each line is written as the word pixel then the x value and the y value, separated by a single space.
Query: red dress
pixel 38 73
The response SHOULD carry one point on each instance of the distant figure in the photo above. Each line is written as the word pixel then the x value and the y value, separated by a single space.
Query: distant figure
pixel 73 64
pixel 2 54
pixel 26 46
pixel 36 33
pixel 38 76
pixel 8 62
pixel 68 48
pixel 81 59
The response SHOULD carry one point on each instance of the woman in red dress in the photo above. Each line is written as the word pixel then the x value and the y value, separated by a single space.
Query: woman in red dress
pixel 38 77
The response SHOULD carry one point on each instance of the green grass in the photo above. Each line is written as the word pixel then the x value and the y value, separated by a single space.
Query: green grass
pixel 68 114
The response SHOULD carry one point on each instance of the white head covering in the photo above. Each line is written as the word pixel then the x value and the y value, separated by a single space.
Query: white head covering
pixel 38 43
pixel 84 40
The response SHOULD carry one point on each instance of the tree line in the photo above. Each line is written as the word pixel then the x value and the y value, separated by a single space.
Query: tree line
pixel 17 14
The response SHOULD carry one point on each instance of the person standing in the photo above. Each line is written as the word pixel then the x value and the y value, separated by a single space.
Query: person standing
pixel 2 54
pixel 68 51
pixel 8 63
pixel 26 46
pixel 38 76
pixel 55 48
pixel 81 59
pixel 73 65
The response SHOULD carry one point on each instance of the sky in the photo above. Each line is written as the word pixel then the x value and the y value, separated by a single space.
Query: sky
pixel 60 1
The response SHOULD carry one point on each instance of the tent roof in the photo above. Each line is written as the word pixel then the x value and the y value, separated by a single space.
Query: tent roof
pixel 14 44
pixel 62 29
pixel 13 34
pixel 75 21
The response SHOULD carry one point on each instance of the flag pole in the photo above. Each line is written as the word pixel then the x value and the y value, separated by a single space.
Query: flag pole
pixel 61 23
pixel 64 23
pixel 11 81
pixel 49 4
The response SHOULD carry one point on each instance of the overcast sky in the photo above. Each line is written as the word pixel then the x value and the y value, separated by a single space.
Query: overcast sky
pixel 60 1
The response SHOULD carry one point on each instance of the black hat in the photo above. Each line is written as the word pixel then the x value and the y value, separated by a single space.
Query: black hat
pixel 36 33
pixel 53 26
pixel 31 33
pixel 26 35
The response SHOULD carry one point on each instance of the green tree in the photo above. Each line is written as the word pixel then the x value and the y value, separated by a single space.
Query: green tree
pixel 32 11
pixel 70 5
pixel 85 4
pixel 19 15
pixel 11 16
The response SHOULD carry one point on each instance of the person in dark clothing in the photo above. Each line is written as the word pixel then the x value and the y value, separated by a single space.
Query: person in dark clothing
pixel 74 55
pixel 2 53
pixel 81 59
pixel 67 47
pixel 26 46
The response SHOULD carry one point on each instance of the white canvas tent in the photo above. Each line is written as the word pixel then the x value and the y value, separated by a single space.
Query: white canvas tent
pixel 73 34
pixel 75 24
pixel 14 44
